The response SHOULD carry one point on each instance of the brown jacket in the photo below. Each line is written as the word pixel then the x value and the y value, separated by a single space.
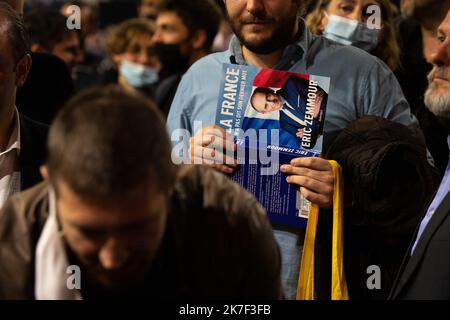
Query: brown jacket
pixel 221 239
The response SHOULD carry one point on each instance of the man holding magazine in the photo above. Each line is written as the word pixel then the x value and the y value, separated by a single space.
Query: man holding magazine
pixel 270 34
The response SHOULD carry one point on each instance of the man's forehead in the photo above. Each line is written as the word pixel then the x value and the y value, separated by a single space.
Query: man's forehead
pixel 169 16
pixel 150 2
pixel 444 28
pixel 4 44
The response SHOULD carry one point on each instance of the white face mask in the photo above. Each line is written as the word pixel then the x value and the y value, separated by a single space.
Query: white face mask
pixel 138 75
pixel 350 32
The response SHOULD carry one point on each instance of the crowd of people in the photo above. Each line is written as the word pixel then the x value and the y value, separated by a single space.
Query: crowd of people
pixel 87 176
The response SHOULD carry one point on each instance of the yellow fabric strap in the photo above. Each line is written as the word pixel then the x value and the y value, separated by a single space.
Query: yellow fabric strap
pixel 305 290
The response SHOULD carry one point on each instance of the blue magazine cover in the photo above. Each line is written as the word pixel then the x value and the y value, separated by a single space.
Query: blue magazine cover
pixel 274 116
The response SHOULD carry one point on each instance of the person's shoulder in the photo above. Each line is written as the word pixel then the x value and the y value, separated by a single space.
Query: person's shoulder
pixel 215 194
pixel 209 62
pixel 202 73
pixel 25 205
pixel 33 139
pixel 343 54
pixel 24 209
pixel 22 219
pixel 30 126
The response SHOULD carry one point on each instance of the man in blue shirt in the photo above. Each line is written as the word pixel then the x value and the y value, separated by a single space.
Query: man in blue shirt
pixel 425 273
pixel 270 34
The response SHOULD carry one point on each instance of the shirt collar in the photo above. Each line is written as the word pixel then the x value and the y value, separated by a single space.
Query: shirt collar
pixel 14 139
pixel 448 143
pixel 303 43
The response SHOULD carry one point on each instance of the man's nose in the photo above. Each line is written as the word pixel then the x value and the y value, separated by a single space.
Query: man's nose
pixel 255 6
pixel 157 37
pixel 441 54
pixel 113 254
pixel 143 58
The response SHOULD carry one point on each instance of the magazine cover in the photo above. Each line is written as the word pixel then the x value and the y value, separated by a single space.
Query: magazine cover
pixel 274 116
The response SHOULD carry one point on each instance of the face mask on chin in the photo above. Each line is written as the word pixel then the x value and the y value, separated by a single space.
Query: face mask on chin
pixel 138 75
pixel 350 32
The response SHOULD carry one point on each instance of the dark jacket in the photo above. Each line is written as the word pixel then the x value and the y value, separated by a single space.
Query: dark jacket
pixel 47 88
pixel 426 274
pixel 33 141
pixel 166 91
pixel 388 182
pixel 218 238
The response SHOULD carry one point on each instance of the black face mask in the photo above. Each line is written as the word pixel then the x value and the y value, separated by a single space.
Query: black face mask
pixel 171 58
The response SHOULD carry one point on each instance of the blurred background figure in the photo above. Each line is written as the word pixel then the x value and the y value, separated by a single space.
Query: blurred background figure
pixel 412 62
pixel 185 31
pixel 88 15
pixel 335 19
pixel 223 37
pixel 92 44
pixel 131 49
pixel 49 34
pixel 148 9
pixel 406 7
pixel 48 87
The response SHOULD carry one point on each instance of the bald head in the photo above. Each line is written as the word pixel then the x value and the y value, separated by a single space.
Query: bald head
pixel 15 4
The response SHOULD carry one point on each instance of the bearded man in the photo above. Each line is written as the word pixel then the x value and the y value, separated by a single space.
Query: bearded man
pixel 271 34
pixel 425 273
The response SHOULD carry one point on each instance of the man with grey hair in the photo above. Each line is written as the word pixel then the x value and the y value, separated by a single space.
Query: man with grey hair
pixel 417 38
pixel 425 273
pixel 22 141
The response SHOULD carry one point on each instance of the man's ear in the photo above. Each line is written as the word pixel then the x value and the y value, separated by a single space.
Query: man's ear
pixel 44 172
pixel 198 39
pixel 22 69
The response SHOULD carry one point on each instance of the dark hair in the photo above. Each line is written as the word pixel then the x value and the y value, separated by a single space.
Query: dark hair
pixel 49 80
pixel 196 15
pixel 47 28
pixel 107 143
pixel 15 32
pixel 121 36
pixel 430 13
